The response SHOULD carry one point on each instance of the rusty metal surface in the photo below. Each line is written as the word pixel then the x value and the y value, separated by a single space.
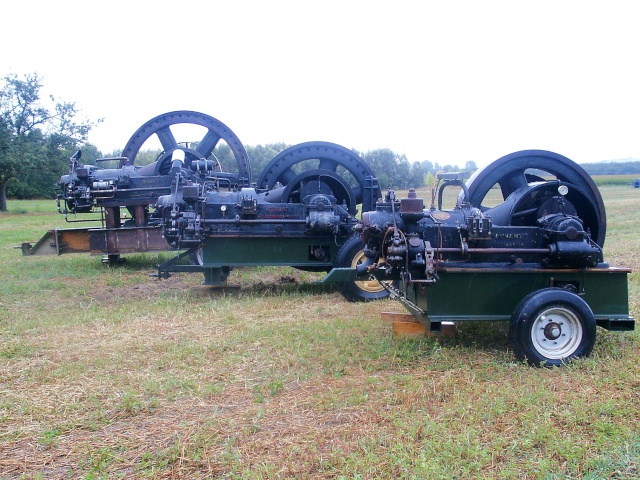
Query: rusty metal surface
pixel 97 241
pixel 126 240
pixel 58 241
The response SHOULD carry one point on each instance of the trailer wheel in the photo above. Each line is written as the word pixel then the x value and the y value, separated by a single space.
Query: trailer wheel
pixel 350 255
pixel 551 326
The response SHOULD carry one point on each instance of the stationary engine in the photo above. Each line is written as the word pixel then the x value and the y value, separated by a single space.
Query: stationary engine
pixel 534 257
pixel 538 224
pixel 125 196
pixel 90 187
pixel 552 222
pixel 300 213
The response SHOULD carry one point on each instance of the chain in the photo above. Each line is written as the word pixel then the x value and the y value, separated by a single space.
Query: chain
pixel 396 294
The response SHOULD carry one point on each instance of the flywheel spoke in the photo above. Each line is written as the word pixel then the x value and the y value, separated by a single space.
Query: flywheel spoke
pixel 208 143
pixel 328 164
pixel 167 140
pixel 512 182
pixel 286 176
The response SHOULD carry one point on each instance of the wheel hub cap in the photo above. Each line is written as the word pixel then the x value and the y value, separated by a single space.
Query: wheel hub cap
pixel 556 333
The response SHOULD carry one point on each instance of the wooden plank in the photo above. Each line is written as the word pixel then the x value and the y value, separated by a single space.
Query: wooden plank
pixel 406 325
pixel 408 329
pixel 398 317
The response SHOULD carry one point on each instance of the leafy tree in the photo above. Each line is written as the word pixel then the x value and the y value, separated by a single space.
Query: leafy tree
pixel 35 140
pixel 417 177
pixel 427 166
pixel 430 180
pixel 470 166
pixel 144 157
pixel 261 155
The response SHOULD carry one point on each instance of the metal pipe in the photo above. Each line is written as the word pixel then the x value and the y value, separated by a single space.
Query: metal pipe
pixel 259 221
pixel 145 189
pixel 493 250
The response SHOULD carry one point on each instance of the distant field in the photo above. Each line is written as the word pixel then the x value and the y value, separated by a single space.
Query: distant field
pixel 109 373
pixel 602 180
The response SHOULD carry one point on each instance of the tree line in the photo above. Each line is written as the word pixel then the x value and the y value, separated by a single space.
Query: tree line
pixel 612 168
pixel 392 169
pixel 37 136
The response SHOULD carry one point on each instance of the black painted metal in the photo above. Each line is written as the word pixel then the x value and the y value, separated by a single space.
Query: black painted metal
pixel 331 158
pixel 511 173
pixel 216 131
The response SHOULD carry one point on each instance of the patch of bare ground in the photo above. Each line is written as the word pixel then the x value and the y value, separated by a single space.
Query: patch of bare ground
pixel 292 429
pixel 275 281
pixel 305 429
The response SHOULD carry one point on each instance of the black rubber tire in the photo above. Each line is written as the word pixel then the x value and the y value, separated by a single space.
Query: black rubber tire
pixel 552 326
pixel 350 254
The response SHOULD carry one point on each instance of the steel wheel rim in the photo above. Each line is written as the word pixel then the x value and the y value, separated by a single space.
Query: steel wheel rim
pixel 556 333
pixel 368 286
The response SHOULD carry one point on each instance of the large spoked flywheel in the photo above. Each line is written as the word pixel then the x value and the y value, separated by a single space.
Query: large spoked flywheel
pixel 324 167
pixel 161 127
pixel 519 169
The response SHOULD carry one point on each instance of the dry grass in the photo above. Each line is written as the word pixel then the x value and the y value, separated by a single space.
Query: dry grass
pixel 107 373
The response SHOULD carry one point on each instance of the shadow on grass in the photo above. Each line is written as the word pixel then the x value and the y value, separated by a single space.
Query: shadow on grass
pixel 482 334
pixel 481 337
pixel 288 288
pixel 140 261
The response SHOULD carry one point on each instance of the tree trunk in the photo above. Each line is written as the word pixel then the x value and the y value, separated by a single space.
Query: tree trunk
pixel 3 196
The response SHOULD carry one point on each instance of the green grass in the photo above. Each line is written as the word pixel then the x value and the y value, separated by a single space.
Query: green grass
pixel 109 373
pixel 612 180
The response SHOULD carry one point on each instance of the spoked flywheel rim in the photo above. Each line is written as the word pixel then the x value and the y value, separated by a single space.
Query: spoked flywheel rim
pixel 216 131
pixel 512 172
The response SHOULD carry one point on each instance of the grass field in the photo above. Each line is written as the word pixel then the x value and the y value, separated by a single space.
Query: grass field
pixel 611 180
pixel 109 373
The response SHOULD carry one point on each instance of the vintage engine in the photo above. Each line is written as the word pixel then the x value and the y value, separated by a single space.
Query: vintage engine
pixel 295 215
pixel 535 257
pixel 194 215
pixel 536 225
pixel 89 187
pixel 135 189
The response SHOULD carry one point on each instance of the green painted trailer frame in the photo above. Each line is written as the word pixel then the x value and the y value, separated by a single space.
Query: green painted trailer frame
pixel 218 254
pixel 490 293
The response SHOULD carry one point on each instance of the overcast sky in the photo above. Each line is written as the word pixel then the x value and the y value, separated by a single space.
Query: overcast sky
pixel 443 81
